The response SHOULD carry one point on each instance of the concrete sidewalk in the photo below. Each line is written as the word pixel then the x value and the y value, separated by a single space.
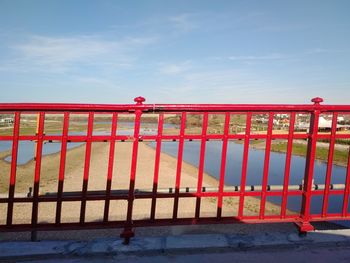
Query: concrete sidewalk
pixel 206 243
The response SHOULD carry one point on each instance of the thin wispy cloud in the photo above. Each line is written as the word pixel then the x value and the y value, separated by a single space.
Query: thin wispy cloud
pixel 263 57
pixel 268 27
pixel 65 53
pixel 184 22
pixel 324 51
pixel 197 52
pixel 175 68
pixel 223 85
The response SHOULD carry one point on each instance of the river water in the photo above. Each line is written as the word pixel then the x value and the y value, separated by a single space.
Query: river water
pixel 255 170
pixel 233 165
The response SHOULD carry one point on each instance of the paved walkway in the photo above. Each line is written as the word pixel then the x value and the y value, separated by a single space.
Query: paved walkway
pixel 294 255
pixel 323 245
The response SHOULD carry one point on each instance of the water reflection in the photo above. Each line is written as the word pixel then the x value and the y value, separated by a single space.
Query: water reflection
pixel 255 170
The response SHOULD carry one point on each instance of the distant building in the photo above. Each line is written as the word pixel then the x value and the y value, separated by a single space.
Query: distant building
pixel 6 121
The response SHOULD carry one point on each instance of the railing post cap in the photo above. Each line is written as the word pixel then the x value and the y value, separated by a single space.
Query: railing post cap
pixel 139 100
pixel 317 100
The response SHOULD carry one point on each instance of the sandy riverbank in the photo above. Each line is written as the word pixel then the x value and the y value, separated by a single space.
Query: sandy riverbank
pixel 97 181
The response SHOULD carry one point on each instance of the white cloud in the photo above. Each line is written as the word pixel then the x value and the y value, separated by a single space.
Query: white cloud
pixel 61 54
pixel 282 27
pixel 220 85
pixel 264 57
pixel 175 69
pixel 323 51
pixel 183 22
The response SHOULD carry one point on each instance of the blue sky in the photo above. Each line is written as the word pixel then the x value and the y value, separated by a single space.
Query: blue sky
pixel 175 51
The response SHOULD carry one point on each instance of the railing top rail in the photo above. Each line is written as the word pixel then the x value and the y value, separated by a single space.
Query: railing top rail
pixel 74 107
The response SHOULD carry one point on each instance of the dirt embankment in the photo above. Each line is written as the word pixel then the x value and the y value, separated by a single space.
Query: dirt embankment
pixel 74 171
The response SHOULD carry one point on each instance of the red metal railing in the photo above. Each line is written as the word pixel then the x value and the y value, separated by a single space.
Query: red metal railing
pixel 158 112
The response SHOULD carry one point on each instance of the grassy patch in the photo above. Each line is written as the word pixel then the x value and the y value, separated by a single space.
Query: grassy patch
pixel 339 157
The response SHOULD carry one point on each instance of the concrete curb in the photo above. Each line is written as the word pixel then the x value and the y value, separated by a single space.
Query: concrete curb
pixel 173 244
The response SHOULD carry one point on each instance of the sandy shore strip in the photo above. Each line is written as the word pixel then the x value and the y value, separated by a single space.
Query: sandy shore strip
pixel 97 181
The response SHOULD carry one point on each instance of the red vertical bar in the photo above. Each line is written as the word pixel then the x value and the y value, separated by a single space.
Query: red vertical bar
pixel 128 233
pixel 201 164
pixel 86 166
pixel 266 167
pixel 179 164
pixel 62 167
pixel 223 165
pixel 347 188
pixel 287 166
pixel 156 165
pixel 13 168
pixel 244 165
pixel 329 165
pixel 110 166
pixel 304 224
pixel 37 159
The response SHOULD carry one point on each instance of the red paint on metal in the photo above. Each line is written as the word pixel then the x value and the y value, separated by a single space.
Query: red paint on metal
pixel 86 166
pixel 201 164
pixel 128 232
pixel 329 165
pixel 223 164
pixel 179 164
pixel 309 172
pixel 62 167
pixel 287 166
pixel 306 191
pixel 266 166
pixel 156 166
pixel 244 165
pixel 37 158
pixel 347 189
pixel 13 168
pixel 110 166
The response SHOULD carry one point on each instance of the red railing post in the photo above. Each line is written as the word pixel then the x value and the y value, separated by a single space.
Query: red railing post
pixel 244 165
pixel 179 164
pixel 128 232
pixel 287 165
pixel 223 165
pixel 88 148
pixel 110 166
pixel 304 223
pixel 266 166
pixel 13 173
pixel 347 188
pixel 201 164
pixel 37 158
pixel 62 167
pixel 156 165
pixel 329 165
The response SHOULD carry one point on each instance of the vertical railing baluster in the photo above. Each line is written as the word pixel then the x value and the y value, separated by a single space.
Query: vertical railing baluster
pixel 14 155
pixel 156 165
pixel 223 165
pixel 304 224
pixel 266 166
pixel 179 164
pixel 347 188
pixel 62 167
pixel 37 158
pixel 244 165
pixel 128 232
pixel 287 165
pixel 110 166
pixel 329 165
pixel 86 166
pixel 201 164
